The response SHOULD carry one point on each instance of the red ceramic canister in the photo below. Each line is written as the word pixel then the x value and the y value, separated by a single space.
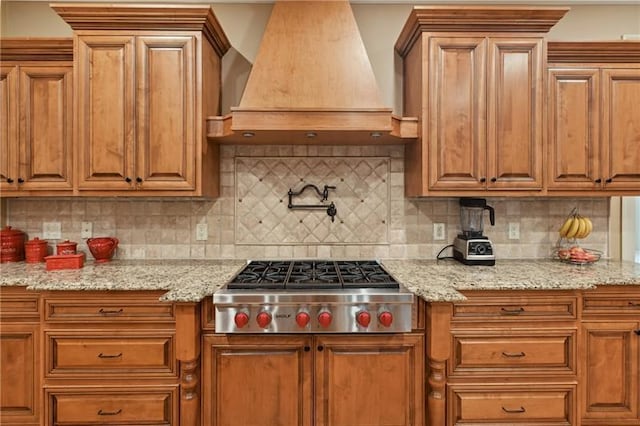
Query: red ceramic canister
pixel 66 247
pixel 11 245
pixel 35 250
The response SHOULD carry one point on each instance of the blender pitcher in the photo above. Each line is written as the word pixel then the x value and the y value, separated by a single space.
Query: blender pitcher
pixel 472 216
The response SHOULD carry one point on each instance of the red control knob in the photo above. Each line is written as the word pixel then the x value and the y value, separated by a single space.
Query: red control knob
pixel 363 318
pixel 302 319
pixel 385 318
pixel 263 319
pixel 324 318
pixel 241 319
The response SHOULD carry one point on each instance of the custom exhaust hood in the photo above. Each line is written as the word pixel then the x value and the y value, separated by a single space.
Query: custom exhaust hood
pixel 311 83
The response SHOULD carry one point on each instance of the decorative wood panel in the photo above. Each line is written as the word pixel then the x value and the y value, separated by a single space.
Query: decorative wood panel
pixel 166 81
pixel 257 380
pixel 457 108
pixel 369 380
pixel 46 127
pixel 8 127
pixel 105 131
pixel 573 114
pixel 515 88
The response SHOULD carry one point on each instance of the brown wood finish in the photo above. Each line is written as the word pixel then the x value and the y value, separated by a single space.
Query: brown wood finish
pixel 112 406
pixel 573 105
pixel 438 350
pixel 367 380
pixel 20 357
pixel 9 148
pixel 188 337
pixel 257 380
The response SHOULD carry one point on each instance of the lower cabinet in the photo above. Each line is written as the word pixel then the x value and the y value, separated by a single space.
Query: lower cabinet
pixel 313 380
pixel 611 358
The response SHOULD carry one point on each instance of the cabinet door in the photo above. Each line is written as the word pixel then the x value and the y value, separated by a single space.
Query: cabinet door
pixel 45 127
pixel 105 131
pixel 574 129
pixel 610 374
pixel 257 380
pixel 8 128
pixel 369 380
pixel 621 128
pixel 514 137
pixel 19 374
pixel 166 123
pixel 457 132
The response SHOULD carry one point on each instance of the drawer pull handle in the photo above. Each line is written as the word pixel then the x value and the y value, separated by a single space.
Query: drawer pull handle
pixel 514 410
pixel 107 312
pixel 517 311
pixel 101 412
pixel 101 355
pixel 634 304
pixel 513 354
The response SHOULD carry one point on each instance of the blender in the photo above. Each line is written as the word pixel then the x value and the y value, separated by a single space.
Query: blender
pixel 471 247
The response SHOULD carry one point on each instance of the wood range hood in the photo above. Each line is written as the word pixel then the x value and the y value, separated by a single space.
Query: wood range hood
pixel 311 83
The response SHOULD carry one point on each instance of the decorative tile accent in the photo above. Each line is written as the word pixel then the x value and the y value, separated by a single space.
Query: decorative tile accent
pixel 361 198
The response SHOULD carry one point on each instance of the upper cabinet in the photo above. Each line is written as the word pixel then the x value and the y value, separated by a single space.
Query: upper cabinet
pixel 594 117
pixel 474 76
pixel 36 117
pixel 147 76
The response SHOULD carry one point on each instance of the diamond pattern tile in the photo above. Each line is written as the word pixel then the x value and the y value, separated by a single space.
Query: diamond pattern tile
pixel 361 198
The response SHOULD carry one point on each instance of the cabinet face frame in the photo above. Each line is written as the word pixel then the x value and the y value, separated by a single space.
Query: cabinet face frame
pixel 9 127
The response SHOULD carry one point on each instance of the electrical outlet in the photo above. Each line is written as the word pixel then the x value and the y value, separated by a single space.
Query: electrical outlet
pixel 51 230
pixel 514 231
pixel 87 230
pixel 202 232
pixel 438 231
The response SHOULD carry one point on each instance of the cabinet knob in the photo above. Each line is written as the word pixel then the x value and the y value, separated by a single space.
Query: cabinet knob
pixel 20 180
pixel 307 348
pixel 637 331
pixel 127 179
pixel 483 179
pixel 9 180
pixel 598 180
pixel 320 348
pixel 608 180
pixel 494 179
pixel 139 179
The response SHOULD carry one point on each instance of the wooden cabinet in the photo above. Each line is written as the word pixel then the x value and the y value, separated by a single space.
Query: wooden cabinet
pixel 610 369
pixel 313 380
pixel 513 359
pixel 143 96
pixel 479 96
pixel 593 113
pixel 110 358
pixel 20 355
pixel 36 117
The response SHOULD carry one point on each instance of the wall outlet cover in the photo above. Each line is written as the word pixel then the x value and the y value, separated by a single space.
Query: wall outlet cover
pixel 86 231
pixel 202 232
pixel 514 231
pixel 439 231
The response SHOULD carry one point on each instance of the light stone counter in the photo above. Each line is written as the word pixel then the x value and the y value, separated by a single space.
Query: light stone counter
pixel 193 280
pixel 441 280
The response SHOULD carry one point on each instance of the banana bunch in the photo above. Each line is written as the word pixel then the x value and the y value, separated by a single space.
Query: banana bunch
pixel 575 227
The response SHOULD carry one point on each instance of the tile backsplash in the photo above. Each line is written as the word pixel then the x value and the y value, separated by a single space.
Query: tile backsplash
pixel 251 219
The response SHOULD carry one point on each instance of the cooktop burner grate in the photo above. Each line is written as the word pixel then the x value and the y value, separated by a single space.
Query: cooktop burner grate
pixel 312 274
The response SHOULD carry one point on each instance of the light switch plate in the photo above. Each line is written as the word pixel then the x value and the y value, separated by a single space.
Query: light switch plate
pixel 51 230
pixel 202 232
pixel 87 230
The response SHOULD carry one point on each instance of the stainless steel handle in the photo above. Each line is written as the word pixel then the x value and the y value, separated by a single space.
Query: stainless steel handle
pixel 102 412
pixel 517 311
pixel 101 355
pixel 513 354
pixel 513 410
pixel 109 312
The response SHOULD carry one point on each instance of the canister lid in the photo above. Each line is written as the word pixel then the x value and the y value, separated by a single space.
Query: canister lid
pixel 8 232
pixel 36 242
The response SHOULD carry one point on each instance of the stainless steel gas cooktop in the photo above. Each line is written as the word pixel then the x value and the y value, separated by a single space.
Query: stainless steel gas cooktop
pixel 313 296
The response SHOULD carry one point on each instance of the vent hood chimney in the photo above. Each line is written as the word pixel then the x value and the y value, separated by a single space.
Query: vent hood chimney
pixel 311 83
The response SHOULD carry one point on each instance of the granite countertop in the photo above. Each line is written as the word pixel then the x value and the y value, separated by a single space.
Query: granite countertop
pixel 193 280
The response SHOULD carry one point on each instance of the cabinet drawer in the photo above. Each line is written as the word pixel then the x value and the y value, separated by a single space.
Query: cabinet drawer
pixel 111 354
pixel 515 308
pixel 90 406
pixel 512 405
pixel 111 311
pixel 545 352
pixel 620 304
pixel 16 303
